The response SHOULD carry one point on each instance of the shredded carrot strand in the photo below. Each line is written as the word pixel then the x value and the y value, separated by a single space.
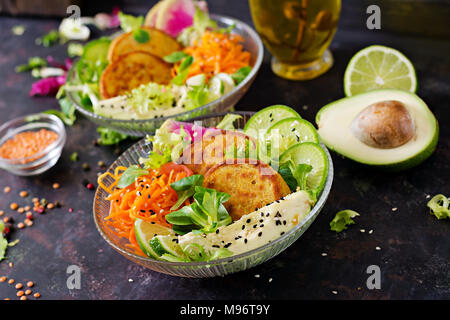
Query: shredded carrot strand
pixel 214 53
pixel 149 198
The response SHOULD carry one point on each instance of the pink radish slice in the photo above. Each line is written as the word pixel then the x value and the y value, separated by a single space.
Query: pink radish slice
pixel 175 15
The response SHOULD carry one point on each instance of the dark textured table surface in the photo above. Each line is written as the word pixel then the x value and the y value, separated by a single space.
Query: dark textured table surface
pixel 415 248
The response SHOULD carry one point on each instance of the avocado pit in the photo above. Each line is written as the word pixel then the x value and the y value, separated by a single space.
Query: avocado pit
pixel 384 125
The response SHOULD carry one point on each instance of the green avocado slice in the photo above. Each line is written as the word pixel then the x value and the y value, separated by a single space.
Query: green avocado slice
pixel 335 120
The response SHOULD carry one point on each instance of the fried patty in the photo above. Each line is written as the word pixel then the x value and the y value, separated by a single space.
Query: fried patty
pixel 131 70
pixel 160 44
pixel 251 186
pixel 214 148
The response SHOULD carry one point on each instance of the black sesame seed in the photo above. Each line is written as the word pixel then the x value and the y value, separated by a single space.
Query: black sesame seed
pixel 254 227
pixel 262 214
pixel 143 211
pixel 217 231
pixel 243 226
pixel 249 220
pixel 261 220
pixel 245 240
pixel 262 225
pixel 260 234
pixel 268 214
pixel 281 233
pixel 284 222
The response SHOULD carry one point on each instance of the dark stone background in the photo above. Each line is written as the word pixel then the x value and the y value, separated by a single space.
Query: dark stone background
pixel 414 255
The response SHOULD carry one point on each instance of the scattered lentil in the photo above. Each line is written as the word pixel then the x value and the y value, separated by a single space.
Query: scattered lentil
pixel 23 193
pixel 56 185
pixel 50 205
pixel 20 293
pixel 23 298
pixel 2 212
pixel 19 286
pixel 21 210
pixel 27 208
pixel 13 206
pixel 37 295
pixel 28 292
pixel 3 279
pixel 7 189
pixel 30 284
pixel 28 222
pixel 20 225
pixel 11 281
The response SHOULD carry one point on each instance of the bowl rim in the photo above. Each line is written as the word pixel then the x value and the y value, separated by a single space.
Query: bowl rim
pixel 311 215
pixel 220 18
pixel 21 163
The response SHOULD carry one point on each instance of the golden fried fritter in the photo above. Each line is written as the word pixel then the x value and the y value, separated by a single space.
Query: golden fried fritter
pixel 251 186
pixel 160 44
pixel 130 71
pixel 216 146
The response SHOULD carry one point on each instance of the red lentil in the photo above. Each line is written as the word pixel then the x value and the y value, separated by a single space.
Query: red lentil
pixel 6 189
pixel 27 144
pixel 56 185
pixel 19 286
pixel 20 225
pixel 28 292
pixel 21 210
pixel 3 279
pixel 13 206
pixel 50 206
pixel 30 284
pixel 23 298
pixel 23 194
pixel 11 281
pixel 37 295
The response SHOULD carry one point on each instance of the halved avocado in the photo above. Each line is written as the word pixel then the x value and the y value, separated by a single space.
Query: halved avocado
pixel 388 129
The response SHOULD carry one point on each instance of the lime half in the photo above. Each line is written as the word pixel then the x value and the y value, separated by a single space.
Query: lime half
pixel 379 67
pixel 291 131
pixel 312 154
pixel 166 245
pixel 268 116
pixel 145 231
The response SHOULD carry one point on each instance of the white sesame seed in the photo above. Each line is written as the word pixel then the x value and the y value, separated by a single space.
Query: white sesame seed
pixel 324 254
pixel 334 292
pixel 362 230
pixel 256 275
pixel 394 209
pixel 377 248
pixel 130 280
pixel 428 196
pixel 371 231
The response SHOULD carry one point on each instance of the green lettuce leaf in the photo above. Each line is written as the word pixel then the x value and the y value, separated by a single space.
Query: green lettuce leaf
pixel 227 121
pixel 342 220
pixel 439 206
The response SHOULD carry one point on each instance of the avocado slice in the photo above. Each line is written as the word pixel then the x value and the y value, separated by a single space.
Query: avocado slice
pixel 389 129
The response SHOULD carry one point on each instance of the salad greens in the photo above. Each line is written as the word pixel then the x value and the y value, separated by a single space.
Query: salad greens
pixel 227 121
pixel 185 188
pixel 33 63
pixel 183 70
pixel 196 252
pixel 3 241
pixel 241 74
pixel 201 22
pixel 109 137
pixel 342 220
pixel 130 175
pixel 205 215
pixel 49 39
pixel 129 22
pixel 176 56
pixel 439 206
pixel 67 113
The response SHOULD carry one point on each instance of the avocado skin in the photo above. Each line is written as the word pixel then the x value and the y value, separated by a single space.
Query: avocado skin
pixel 392 167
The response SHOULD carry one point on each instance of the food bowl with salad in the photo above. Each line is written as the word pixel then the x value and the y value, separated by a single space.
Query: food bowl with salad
pixel 177 63
pixel 216 195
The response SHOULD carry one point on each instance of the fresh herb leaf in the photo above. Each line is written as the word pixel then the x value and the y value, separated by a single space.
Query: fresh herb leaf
pixel 141 36
pixel 74 157
pixel 183 71
pixel 228 29
pixel 439 206
pixel 33 63
pixel 342 220
pixel 205 215
pixel 241 74
pixel 48 39
pixel 129 22
pixel 300 174
pixel 176 56
pixel 3 242
pixel 185 188
pixel 130 175
pixel 67 113
pixel 286 173
pixel 197 96
pixel 227 121
pixel 109 137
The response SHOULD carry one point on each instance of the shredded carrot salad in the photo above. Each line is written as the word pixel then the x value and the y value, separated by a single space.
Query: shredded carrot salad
pixel 214 53
pixel 149 198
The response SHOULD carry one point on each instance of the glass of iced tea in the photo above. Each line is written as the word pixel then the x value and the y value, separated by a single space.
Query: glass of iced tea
pixel 297 33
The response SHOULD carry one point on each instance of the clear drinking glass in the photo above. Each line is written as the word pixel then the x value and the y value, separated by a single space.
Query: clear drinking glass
pixel 297 33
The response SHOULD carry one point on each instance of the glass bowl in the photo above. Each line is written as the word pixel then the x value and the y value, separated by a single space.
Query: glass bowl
pixel 199 269
pixel 41 161
pixel 252 43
